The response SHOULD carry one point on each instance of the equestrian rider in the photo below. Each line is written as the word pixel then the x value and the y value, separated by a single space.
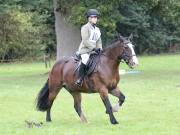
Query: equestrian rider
pixel 91 41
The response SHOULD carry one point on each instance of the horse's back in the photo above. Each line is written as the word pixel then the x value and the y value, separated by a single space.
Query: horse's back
pixel 56 74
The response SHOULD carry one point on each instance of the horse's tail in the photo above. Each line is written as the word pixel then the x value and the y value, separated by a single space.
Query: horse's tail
pixel 42 98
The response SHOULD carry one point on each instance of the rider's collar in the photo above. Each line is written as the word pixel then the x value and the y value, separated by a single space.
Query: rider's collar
pixel 92 25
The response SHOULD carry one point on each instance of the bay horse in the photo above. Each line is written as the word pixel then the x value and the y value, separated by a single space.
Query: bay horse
pixel 104 81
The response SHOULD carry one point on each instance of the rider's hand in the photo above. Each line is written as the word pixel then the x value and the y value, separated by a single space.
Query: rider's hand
pixel 97 50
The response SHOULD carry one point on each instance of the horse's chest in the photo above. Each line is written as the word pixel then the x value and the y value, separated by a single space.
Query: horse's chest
pixel 113 82
pixel 109 78
pixel 112 85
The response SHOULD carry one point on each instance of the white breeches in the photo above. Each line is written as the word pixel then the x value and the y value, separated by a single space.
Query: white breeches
pixel 85 58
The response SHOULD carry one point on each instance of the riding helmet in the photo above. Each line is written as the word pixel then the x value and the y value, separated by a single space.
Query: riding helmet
pixel 92 12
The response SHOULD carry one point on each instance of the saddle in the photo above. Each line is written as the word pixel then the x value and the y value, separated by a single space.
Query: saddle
pixel 91 64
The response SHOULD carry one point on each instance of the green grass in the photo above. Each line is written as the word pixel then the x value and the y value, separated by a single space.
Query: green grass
pixel 152 105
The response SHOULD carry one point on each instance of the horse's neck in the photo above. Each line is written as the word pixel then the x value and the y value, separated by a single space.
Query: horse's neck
pixel 114 51
pixel 112 54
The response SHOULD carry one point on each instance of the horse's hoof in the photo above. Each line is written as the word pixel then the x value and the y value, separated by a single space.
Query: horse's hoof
pixel 48 120
pixel 84 121
pixel 114 122
pixel 83 118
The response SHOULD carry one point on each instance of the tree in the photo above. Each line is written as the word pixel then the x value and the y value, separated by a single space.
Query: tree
pixel 67 35
pixel 26 27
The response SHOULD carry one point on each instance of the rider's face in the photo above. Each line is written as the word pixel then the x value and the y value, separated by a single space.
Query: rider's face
pixel 93 19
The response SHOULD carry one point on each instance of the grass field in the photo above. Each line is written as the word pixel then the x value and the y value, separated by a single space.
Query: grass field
pixel 152 105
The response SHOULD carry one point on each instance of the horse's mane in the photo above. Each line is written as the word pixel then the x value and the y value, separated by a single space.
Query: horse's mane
pixel 112 44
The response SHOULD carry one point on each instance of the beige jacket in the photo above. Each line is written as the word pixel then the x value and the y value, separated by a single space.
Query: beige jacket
pixel 91 38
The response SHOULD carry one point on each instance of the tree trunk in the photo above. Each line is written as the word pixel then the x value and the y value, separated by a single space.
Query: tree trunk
pixel 67 35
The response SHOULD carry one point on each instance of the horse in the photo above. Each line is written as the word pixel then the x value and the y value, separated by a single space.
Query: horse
pixel 104 81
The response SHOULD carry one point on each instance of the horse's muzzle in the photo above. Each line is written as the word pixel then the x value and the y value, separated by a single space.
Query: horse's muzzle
pixel 132 65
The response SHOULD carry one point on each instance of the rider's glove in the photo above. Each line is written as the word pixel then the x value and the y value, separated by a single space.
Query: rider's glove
pixel 97 50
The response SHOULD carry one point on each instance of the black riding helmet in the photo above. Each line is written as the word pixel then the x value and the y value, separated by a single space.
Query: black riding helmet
pixel 92 12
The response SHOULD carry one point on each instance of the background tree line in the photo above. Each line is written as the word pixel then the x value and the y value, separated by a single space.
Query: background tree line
pixel 27 27
pixel 154 23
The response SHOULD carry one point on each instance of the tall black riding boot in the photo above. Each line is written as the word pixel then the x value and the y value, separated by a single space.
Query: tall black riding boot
pixel 81 74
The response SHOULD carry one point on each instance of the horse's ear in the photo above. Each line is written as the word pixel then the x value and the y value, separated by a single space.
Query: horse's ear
pixel 130 36
pixel 120 37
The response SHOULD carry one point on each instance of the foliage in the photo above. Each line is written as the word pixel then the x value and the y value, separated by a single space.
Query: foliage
pixel 16 35
pixel 26 28
pixel 154 23
pixel 108 14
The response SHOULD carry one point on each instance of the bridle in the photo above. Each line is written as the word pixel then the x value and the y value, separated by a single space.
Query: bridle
pixel 124 56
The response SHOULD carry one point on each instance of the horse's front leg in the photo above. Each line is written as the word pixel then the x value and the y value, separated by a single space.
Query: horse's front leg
pixel 117 93
pixel 104 96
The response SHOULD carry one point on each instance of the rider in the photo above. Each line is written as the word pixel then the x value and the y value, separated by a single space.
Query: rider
pixel 91 41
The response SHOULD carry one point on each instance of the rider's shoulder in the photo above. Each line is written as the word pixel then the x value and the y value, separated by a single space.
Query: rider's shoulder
pixel 85 26
pixel 88 26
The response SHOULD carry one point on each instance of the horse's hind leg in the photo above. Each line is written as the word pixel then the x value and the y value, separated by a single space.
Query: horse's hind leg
pixel 77 106
pixel 53 92
pixel 117 93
